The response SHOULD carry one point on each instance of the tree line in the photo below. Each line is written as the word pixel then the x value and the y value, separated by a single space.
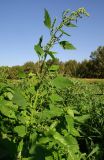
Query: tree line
pixel 92 68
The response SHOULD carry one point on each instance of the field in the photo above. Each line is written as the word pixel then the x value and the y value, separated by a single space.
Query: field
pixel 44 114
pixel 90 80
pixel 63 119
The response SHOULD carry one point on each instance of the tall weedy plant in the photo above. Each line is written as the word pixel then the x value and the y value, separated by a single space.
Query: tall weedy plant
pixel 37 121
pixel 57 32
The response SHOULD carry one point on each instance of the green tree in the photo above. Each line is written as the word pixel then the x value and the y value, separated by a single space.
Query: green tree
pixel 71 68
pixel 97 57
pixel 13 72
pixel 29 67
pixel 82 70
pixel 53 61
pixel 3 73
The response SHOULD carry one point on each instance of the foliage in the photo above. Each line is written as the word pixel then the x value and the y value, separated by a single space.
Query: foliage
pixel 29 67
pixel 71 68
pixel 92 68
pixel 47 116
pixel 3 73
pixel 13 72
pixel 97 58
pixel 50 126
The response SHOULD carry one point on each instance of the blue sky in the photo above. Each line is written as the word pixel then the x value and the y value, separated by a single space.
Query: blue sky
pixel 21 24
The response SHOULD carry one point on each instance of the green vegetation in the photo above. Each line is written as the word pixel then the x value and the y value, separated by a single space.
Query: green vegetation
pixel 49 126
pixel 47 116
pixel 93 68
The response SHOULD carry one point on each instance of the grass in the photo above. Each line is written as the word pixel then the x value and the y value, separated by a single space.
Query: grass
pixel 90 80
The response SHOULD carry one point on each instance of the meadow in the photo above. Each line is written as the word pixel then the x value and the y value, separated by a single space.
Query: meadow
pixel 66 122
pixel 48 116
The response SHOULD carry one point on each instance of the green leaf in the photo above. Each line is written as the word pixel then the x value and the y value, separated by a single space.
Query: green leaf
pixel 20 130
pixel 70 123
pixel 53 24
pixel 73 156
pixel 70 25
pixel 19 99
pixel 70 112
pixel 70 126
pixel 7 112
pixel 55 110
pixel 64 32
pixel 57 136
pixel 51 54
pixel 8 95
pixel 66 45
pixel 6 109
pixel 69 141
pixel 95 149
pixel 20 146
pixel 55 155
pixel 54 68
pixel 24 118
pixel 47 114
pixel 21 75
pixel 33 138
pixel 72 142
pixel 39 50
pixel 44 140
pixel 75 132
pixel 40 40
pixel 82 119
pixel 61 82
pixel 47 19
pixel 49 158
pixel 56 98
pixel 53 125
